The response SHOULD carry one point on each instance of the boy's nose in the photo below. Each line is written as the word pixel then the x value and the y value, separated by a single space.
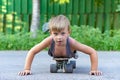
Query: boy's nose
pixel 59 37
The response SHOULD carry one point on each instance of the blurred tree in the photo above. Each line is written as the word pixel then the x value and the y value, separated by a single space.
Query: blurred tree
pixel 35 18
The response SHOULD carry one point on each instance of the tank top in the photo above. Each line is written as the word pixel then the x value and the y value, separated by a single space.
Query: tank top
pixel 69 53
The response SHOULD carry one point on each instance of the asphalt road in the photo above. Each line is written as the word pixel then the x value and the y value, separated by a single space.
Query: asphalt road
pixel 11 62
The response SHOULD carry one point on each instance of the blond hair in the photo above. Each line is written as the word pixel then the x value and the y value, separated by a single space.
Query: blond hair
pixel 59 23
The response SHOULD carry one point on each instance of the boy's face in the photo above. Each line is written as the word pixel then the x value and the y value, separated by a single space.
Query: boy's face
pixel 60 36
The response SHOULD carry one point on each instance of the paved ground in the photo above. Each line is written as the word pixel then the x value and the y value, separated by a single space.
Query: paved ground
pixel 11 62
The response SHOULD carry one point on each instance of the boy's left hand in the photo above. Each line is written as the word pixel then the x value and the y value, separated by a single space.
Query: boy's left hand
pixel 96 73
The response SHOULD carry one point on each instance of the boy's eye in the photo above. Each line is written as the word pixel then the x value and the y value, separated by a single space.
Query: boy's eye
pixel 55 33
pixel 63 33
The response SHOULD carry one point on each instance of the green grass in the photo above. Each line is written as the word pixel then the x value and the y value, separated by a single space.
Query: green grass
pixel 84 34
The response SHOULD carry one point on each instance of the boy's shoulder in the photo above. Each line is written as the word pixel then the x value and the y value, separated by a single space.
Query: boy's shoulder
pixel 48 39
pixel 71 40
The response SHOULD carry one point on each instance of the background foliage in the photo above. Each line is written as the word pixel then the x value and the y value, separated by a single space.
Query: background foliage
pixel 84 34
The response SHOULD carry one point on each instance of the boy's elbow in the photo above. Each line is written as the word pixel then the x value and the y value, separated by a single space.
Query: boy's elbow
pixel 92 52
pixel 32 52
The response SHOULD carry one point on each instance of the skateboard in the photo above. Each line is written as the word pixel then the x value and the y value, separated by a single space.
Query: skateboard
pixel 64 64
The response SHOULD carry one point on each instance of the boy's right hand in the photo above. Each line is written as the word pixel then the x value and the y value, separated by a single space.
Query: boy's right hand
pixel 24 72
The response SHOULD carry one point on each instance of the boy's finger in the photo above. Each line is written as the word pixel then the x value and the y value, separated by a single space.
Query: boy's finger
pixel 92 72
pixel 20 73
pixel 98 73
pixel 23 73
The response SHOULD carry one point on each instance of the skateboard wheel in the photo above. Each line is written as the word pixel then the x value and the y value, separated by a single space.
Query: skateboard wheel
pixel 68 68
pixel 73 63
pixel 53 68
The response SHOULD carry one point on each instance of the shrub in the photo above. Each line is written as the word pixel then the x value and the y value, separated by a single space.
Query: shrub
pixel 20 41
pixel 95 38
pixel 84 34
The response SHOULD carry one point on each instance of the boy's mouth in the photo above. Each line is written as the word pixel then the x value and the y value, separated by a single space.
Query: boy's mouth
pixel 59 42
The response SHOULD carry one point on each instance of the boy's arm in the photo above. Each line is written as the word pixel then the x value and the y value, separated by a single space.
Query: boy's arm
pixel 91 52
pixel 37 48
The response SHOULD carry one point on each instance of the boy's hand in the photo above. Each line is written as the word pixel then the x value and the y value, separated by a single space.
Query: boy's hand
pixel 24 72
pixel 96 73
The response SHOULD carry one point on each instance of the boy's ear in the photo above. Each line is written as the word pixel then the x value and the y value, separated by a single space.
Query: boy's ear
pixel 50 32
pixel 69 31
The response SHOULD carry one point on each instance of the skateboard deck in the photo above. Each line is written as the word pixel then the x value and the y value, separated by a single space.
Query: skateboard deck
pixel 60 58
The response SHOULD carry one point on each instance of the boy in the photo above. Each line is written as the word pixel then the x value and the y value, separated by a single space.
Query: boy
pixel 61 44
